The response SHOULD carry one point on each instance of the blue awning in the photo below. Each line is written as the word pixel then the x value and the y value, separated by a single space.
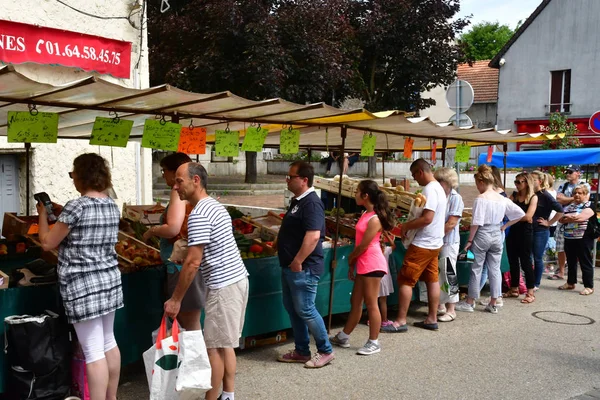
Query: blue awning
pixel 544 158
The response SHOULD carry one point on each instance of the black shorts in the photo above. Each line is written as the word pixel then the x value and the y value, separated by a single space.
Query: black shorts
pixel 374 274
pixel 552 230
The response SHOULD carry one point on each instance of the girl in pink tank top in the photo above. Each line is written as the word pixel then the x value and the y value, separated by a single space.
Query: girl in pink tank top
pixel 369 264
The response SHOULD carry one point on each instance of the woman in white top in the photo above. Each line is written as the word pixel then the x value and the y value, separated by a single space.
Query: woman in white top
pixel 486 238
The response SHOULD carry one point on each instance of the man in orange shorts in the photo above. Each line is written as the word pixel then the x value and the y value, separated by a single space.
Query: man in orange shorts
pixel 421 258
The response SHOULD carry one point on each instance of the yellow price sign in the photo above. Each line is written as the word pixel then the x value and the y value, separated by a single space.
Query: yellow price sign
pixel 367 148
pixel 254 139
pixel 111 132
pixel 227 143
pixel 28 127
pixel 289 141
pixel 161 135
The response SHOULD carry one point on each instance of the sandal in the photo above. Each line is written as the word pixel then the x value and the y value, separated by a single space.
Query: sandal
pixel 512 293
pixel 587 291
pixel 556 277
pixel 529 298
pixel 566 286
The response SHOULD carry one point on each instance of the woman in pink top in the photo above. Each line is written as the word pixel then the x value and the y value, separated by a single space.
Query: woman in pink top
pixel 370 265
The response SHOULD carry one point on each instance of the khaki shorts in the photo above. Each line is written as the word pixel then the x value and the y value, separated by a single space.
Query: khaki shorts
pixel 419 264
pixel 225 311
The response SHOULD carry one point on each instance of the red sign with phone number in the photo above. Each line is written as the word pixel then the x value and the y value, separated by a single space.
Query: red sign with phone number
pixel 22 43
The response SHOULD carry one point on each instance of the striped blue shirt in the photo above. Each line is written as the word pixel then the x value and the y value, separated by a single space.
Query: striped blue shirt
pixel 454 209
pixel 209 224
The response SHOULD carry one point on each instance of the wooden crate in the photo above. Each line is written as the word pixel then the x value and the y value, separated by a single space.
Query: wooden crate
pixel 50 256
pixel 268 224
pixel 343 229
pixel 14 226
pixel 148 215
pixel 128 265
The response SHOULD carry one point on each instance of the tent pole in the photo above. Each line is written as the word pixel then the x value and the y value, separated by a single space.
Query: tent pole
pixel 444 144
pixel 383 167
pixel 27 167
pixel 504 149
pixel 337 235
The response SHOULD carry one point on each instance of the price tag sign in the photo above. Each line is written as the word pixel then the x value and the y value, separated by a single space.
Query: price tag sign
pixel 289 141
pixel 489 154
pixel 111 132
pixel 254 139
pixel 367 147
pixel 463 152
pixel 433 152
pixel 227 143
pixel 24 127
pixel 161 135
pixel 408 147
pixel 192 141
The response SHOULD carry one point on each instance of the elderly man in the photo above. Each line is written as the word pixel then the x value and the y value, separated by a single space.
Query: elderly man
pixel 421 259
pixel 565 197
pixel 212 248
pixel 299 245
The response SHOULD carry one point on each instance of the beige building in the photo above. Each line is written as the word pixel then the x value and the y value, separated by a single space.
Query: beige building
pixel 122 20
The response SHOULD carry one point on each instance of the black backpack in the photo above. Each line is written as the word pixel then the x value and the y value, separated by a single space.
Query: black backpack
pixel 593 227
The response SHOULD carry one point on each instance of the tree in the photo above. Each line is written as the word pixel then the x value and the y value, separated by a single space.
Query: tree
pixel 485 40
pixel 559 126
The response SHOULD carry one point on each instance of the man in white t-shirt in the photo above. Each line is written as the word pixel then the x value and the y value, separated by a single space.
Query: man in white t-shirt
pixel 421 258
pixel 212 248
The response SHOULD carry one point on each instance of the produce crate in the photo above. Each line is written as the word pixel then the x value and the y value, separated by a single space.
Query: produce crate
pixel 148 215
pixel 269 225
pixel 50 256
pixel 150 256
pixel 15 226
pixel 345 230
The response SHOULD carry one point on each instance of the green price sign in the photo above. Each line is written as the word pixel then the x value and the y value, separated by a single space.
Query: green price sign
pixel 463 152
pixel 289 141
pixel 161 135
pixel 254 139
pixel 367 148
pixel 25 127
pixel 111 132
pixel 227 143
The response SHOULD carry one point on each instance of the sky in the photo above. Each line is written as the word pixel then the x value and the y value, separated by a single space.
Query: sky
pixel 507 12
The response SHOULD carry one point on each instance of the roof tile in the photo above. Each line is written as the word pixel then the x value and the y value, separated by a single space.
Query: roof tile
pixel 483 79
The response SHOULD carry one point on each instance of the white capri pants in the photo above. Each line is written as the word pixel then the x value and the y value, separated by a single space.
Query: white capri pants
pixel 96 336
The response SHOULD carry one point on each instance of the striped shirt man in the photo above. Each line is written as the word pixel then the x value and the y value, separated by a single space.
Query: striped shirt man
pixel 209 224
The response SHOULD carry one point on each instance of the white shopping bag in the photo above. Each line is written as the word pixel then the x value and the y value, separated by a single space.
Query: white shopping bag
pixel 162 364
pixel 194 367
pixel 414 213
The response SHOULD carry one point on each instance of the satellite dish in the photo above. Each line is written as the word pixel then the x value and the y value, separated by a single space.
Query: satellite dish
pixel 460 96
pixel 461 120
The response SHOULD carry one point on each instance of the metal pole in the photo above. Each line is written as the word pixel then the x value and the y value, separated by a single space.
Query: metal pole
pixel 27 167
pixel 444 144
pixel 383 167
pixel 336 236
pixel 504 149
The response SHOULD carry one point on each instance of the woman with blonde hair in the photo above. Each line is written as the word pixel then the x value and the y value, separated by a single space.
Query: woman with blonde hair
pixel 542 221
pixel 579 240
pixel 448 277
pixel 519 241
pixel 486 238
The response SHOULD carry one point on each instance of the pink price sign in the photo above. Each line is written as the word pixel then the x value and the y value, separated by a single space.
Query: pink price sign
pixel 22 43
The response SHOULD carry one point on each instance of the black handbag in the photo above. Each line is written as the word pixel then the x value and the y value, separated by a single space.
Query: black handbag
pixel 38 350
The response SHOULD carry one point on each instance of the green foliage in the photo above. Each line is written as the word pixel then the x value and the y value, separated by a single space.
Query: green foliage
pixel 485 40
pixel 557 124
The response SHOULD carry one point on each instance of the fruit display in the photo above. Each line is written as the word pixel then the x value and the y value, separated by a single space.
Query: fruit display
pixel 3 250
pixel 135 254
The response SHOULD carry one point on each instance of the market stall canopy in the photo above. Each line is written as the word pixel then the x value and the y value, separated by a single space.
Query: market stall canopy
pixel 544 158
pixel 79 103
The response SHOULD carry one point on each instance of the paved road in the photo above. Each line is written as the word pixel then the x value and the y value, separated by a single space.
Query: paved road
pixel 479 356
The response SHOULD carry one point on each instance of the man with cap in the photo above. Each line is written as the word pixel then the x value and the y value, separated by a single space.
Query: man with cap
pixel 565 197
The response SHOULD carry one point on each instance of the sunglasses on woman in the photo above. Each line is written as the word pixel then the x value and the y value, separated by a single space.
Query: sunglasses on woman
pixel 517 182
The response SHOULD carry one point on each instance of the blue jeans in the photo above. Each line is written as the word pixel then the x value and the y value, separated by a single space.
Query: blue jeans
pixel 540 241
pixel 299 292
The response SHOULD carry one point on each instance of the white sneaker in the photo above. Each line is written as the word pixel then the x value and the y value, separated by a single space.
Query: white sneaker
pixel 486 301
pixel 491 309
pixel 369 348
pixel 464 306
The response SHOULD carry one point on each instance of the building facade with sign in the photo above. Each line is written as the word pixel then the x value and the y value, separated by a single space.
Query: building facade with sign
pixel 56 43
pixel 550 64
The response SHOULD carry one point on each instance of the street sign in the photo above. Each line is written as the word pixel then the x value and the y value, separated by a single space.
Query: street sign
pixel 460 96
pixel 595 122
pixel 461 120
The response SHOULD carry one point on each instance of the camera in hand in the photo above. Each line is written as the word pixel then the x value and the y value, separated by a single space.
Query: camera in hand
pixel 44 199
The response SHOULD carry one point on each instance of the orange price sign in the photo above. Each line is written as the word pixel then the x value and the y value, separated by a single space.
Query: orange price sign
pixel 192 141
pixel 408 147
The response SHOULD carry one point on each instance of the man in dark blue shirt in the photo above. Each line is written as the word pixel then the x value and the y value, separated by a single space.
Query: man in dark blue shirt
pixel 299 246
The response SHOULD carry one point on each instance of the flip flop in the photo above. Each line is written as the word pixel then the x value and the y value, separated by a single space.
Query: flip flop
pixel 394 329
pixel 556 277
pixel 587 291
pixel 566 286
pixel 528 299
pixel 446 318
pixel 429 327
